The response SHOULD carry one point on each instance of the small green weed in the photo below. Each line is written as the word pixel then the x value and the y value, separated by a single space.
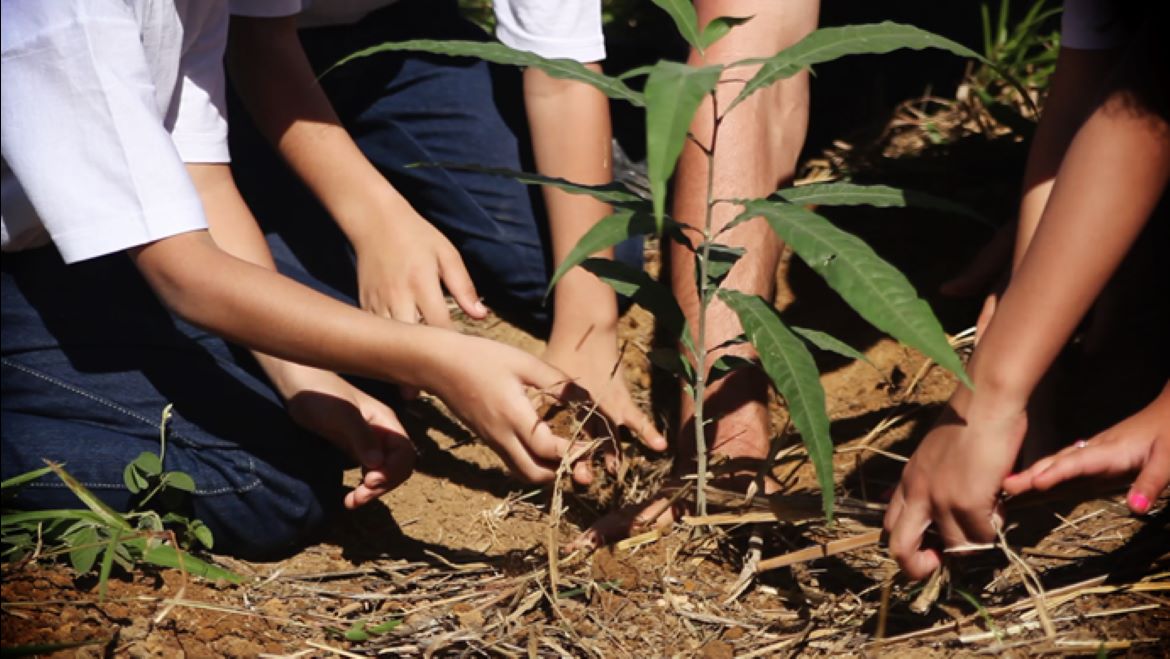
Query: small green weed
pixel 98 531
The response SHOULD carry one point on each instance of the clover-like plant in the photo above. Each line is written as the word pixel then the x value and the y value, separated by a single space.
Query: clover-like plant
pixel 671 95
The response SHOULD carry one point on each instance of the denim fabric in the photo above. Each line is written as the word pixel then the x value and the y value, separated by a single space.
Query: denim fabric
pixel 406 108
pixel 89 360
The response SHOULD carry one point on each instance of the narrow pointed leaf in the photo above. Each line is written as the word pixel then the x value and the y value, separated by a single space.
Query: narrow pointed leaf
pixel 725 366
pixel 840 193
pixel 830 343
pixel 107 564
pixel 99 507
pixel 830 43
pixel 498 53
pixel 791 368
pixel 721 259
pixel 168 556
pixel 673 92
pixel 719 27
pixel 26 477
pixel 644 291
pixel 613 193
pixel 610 231
pixel 874 288
pixel 682 12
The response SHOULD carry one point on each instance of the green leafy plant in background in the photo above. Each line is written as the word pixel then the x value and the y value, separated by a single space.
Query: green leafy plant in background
pixel 1019 58
pixel 671 95
pixel 98 531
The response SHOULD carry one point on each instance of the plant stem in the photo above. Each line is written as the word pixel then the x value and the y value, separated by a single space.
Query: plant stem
pixel 705 295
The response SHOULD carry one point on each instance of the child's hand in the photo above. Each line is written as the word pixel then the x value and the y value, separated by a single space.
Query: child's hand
pixel 403 264
pixel 487 384
pixel 362 426
pixel 1140 443
pixel 953 480
pixel 593 363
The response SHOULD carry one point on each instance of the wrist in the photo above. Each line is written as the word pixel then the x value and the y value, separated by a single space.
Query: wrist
pixel 582 302
pixel 365 218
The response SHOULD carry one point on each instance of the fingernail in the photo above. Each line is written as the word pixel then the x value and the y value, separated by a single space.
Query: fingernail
pixel 480 309
pixel 1139 503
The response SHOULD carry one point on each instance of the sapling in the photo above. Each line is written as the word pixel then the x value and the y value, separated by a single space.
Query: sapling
pixel 671 95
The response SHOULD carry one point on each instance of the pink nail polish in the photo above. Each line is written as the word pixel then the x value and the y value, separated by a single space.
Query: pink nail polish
pixel 1139 503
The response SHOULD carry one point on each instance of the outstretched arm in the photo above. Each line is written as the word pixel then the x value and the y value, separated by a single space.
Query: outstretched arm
pixel 277 84
pixel 584 341
pixel 1098 206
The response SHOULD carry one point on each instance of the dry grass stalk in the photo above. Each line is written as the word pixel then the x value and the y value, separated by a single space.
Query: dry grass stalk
pixel 830 548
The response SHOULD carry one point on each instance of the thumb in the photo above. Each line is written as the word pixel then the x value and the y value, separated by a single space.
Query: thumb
pixel 459 285
pixel 1154 477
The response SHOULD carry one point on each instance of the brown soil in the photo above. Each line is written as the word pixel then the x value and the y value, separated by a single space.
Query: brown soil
pixel 459 554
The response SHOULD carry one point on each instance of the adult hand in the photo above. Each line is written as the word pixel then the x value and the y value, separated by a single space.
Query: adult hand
pixel 495 389
pixel 1140 444
pixel 953 480
pixel 402 266
pixel 362 426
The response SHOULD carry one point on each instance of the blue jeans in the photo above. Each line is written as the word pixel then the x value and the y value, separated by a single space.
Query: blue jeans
pixel 403 109
pixel 90 358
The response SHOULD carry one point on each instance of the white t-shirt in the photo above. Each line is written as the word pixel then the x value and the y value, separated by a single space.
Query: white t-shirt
pixel 1092 25
pixel 103 102
pixel 556 29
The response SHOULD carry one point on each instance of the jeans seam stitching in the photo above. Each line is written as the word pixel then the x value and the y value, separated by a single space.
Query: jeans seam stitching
pixel 132 414
pixel 85 394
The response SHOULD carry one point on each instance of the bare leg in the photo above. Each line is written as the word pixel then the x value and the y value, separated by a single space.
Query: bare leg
pixel 757 150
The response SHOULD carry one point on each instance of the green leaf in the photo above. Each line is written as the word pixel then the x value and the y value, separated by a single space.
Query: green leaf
pixel 107 564
pixel 882 196
pixel 830 343
pixel 133 479
pixel 673 94
pixel 682 12
pixel 791 368
pixel 87 548
pixel 613 193
pixel 202 534
pixel 108 515
pixel 386 626
pixel 357 632
pixel 608 232
pixel 168 556
pixel 34 517
pixel 874 288
pixel 179 481
pixel 26 477
pixel 644 291
pixel 718 28
pixel 830 43
pixel 498 53
pixel 720 260
pixel 725 366
pixel 148 463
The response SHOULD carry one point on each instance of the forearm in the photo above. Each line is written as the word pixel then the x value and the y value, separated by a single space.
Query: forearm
pixel 1075 89
pixel 276 82
pixel 234 230
pixel 582 154
pixel 1097 208
pixel 264 311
